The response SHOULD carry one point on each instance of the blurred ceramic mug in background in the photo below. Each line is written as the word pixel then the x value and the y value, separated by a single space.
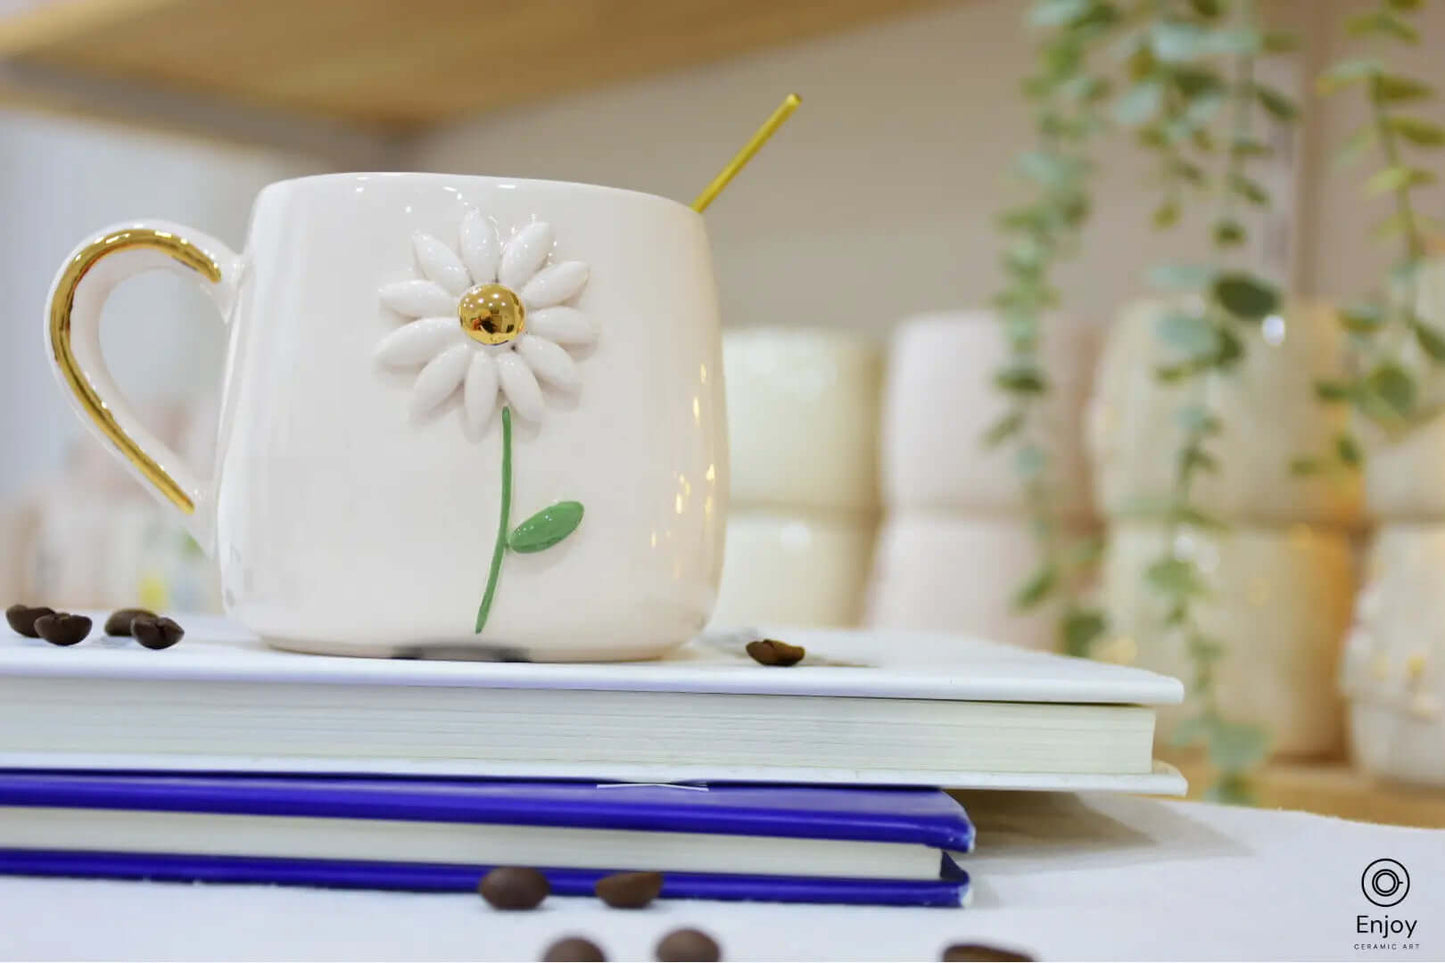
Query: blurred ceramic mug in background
pixel 459 413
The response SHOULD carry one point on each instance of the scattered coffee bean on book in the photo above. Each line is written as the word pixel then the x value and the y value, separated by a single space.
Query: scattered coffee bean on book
pixel 574 949
pixel 514 888
pixel 62 628
pixel 22 618
pixel 120 620
pixel 156 633
pixel 688 946
pixel 982 953
pixel 628 890
pixel 773 652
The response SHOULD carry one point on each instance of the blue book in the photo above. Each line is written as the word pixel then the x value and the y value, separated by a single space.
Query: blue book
pixel 887 846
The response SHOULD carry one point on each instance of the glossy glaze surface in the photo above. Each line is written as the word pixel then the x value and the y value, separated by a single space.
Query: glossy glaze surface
pixel 347 520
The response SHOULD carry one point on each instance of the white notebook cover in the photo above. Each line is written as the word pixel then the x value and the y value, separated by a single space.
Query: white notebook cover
pixel 885 664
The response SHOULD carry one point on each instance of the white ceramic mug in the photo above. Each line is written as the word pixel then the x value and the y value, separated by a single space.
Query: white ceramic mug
pixel 460 415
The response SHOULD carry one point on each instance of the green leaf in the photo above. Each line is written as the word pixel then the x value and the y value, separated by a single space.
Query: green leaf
pixel 1081 628
pixel 1237 746
pixel 1349 450
pixel 1232 789
pixel 1422 133
pixel 1305 465
pixel 1003 429
pixel 1249 147
pixel 1275 103
pixel 1355 145
pixel 1193 517
pixel 1187 333
pixel 1363 318
pixel 1348 72
pixel 1391 87
pixel 1326 390
pixel 1382 22
pixel 1229 233
pixel 1174 577
pixel 1140 103
pixel 1166 215
pixel 1057 13
pixel 1036 587
pixel 1278 41
pixel 1021 378
pixel 1250 190
pixel 1208 9
pixel 1234 42
pixel 1194 459
pixel 1182 276
pixel 1177 41
pixel 546 528
pixel 1245 296
pixel 1394 178
pixel 1431 341
pixel 1393 387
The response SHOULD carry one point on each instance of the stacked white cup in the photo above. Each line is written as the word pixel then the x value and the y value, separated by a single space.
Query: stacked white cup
pixel 1394 672
pixel 956 541
pixel 803 432
pixel 1281 575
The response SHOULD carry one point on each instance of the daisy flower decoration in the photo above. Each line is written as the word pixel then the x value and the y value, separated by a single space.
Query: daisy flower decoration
pixel 491 318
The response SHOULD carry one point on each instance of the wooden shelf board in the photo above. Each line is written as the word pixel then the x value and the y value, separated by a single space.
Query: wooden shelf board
pixel 1332 789
pixel 401 65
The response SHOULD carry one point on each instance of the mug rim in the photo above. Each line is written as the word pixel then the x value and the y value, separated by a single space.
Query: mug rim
pixel 518 181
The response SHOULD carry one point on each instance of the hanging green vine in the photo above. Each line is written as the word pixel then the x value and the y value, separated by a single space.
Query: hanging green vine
pixel 1043 231
pixel 1176 92
pixel 1385 327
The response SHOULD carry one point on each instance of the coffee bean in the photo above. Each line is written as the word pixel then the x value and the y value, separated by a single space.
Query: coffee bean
pixel 982 953
pixel 628 890
pixel 161 633
pixel 574 949
pixel 773 652
pixel 514 888
pixel 62 628
pixel 22 618
pixel 688 946
pixel 120 620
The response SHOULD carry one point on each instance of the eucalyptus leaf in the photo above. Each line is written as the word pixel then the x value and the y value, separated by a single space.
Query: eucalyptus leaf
pixel 1056 13
pixel 1177 41
pixel 1349 450
pixel 1327 390
pixel 1232 789
pixel 1279 41
pixel 1235 42
pixel 1003 429
pixel 1421 133
pixel 1275 103
pixel 1237 746
pixel 1174 577
pixel 1245 296
pixel 1021 378
pixel 1250 190
pixel 1305 465
pixel 1229 233
pixel 1166 215
pixel 1197 518
pixel 1139 103
pixel 1431 341
pixel 546 528
pixel 1399 89
pixel 1395 178
pixel 1036 587
pixel 1393 387
pixel 1187 333
pixel 1348 72
pixel 1249 147
pixel 1080 629
pixel 1182 276
pixel 1355 145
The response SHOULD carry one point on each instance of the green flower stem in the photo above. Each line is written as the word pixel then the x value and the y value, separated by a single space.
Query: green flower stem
pixel 503 521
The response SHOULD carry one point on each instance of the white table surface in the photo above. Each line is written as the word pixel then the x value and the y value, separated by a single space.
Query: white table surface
pixel 1059 876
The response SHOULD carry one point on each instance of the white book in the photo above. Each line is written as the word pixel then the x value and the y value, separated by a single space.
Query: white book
pixel 877 707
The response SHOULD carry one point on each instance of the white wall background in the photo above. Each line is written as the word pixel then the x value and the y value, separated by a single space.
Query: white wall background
pixel 60 180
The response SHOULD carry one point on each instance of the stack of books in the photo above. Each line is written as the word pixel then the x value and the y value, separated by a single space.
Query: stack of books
pixel 221 760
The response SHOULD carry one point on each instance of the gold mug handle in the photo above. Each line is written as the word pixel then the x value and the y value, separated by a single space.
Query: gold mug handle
pixel 72 333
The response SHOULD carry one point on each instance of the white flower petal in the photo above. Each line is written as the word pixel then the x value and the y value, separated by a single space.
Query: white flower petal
pixel 549 362
pixel 562 325
pixel 523 392
pixel 419 341
pixel 440 263
pixel 479 391
pixel 439 378
pixel 418 299
pixel 555 284
pixel 524 254
pixel 481 248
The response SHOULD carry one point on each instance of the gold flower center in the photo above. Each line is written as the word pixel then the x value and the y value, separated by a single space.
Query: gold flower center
pixel 492 314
